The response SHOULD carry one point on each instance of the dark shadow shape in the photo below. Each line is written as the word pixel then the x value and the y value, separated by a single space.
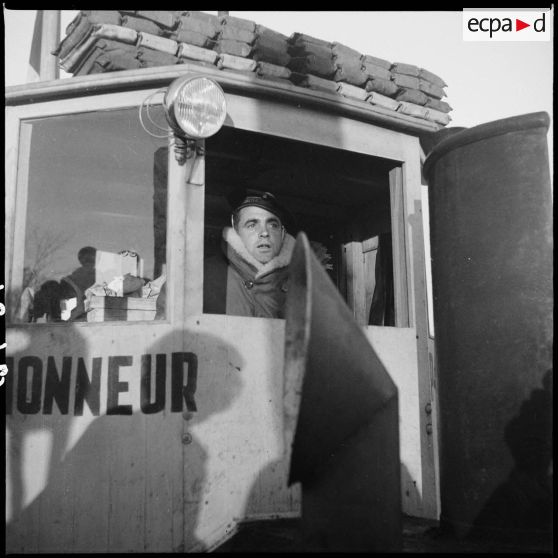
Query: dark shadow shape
pixel 98 463
pixel 20 426
pixel 520 510
pixel 274 534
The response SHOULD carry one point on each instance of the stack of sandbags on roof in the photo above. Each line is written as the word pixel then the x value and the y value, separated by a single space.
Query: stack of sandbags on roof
pixel 311 63
pixel 348 65
pixel 196 34
pixel 380 79
pixel 354 72
pixel 420 93
pixel 104 40
pixel 235 43
pixel 96 42
pixel 380 85
pixel 271 51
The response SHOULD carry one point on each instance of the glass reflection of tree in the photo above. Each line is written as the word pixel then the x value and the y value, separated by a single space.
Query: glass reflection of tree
pixel 41 247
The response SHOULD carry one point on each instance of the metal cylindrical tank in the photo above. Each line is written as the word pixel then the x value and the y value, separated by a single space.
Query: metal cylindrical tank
pixel 490 201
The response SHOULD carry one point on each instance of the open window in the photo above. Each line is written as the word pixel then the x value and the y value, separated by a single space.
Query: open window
pixel 342 200
pixel 89 193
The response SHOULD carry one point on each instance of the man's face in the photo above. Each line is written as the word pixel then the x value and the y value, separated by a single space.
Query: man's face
pixel 261 232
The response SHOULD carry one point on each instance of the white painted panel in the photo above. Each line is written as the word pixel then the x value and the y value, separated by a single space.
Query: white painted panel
pixel 158 482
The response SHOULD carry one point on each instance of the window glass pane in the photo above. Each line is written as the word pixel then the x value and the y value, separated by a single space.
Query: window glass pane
pixel 340 199
pixel 94 249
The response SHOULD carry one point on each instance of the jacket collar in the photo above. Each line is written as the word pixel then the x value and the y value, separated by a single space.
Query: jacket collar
pixel 281 260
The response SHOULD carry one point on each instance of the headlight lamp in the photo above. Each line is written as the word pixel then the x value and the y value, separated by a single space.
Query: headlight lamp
pixel 195 107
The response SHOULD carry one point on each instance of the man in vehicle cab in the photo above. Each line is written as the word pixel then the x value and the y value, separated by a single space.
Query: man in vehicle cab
pixel 249 276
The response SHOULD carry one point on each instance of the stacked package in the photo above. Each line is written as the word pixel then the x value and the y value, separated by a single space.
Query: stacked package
pixel 108 40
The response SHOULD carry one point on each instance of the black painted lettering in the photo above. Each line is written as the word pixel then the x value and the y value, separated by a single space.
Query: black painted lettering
pixel 179 391
pixel 57 388
pixel 147 406
pixel 9 395
pixel 88 389
pixel 115 386
pixel 481 22
pixel 29 403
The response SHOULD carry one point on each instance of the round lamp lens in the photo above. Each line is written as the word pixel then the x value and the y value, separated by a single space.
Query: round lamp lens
pixel 199 107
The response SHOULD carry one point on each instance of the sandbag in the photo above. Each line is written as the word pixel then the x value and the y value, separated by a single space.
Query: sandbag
pixel 352 91
pixel 228 32
pixel 431 89
pixel 311 64
pixel 103 16
pixel 192 52
pixel 115 32
pixel 352 74
pixel 238 23
pixel 412 96
pixel 157 43
pixel 269 34
pixel 406 69
pixel 149 57
pixel 142 25
pixel 404 80
pixel 80 30
pixel 265 69
pixel 113 61
pixel 266 48
pixel 236 48
pixel 300 40
pixel 193 38
pixel 375 60
pixel 314 82
pixel 412 110
pixel 438 105
pixel 384 86
pixel 375 70
pixel 209 28
pixel 231 62
pixel 375 98
pixel 168 19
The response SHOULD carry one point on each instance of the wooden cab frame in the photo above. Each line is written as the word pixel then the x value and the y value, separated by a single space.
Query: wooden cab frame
pixel 282 111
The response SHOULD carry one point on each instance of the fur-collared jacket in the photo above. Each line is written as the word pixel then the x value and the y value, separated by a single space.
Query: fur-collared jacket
pixel 236 283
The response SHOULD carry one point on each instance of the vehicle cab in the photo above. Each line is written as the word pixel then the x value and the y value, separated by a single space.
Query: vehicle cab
pixel 143 427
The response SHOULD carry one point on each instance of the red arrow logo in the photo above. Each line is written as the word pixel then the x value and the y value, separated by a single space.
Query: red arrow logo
pixel 519 25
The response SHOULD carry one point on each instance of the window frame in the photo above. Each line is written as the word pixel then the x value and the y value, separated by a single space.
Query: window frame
pixel 18 125
pixel 186 201
pixel 306 124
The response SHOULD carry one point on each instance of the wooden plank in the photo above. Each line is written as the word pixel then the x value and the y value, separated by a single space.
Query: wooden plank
pixel 90 529
pixel 194 186
pixel 22 186
pixel 418 309
pixel 127 495
pixel 399 247
pixel 356 298
pixel 370 244
pixel 176 238
pixel 310 125
pixel 12 138
pixel 370 277
pixel 50 37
